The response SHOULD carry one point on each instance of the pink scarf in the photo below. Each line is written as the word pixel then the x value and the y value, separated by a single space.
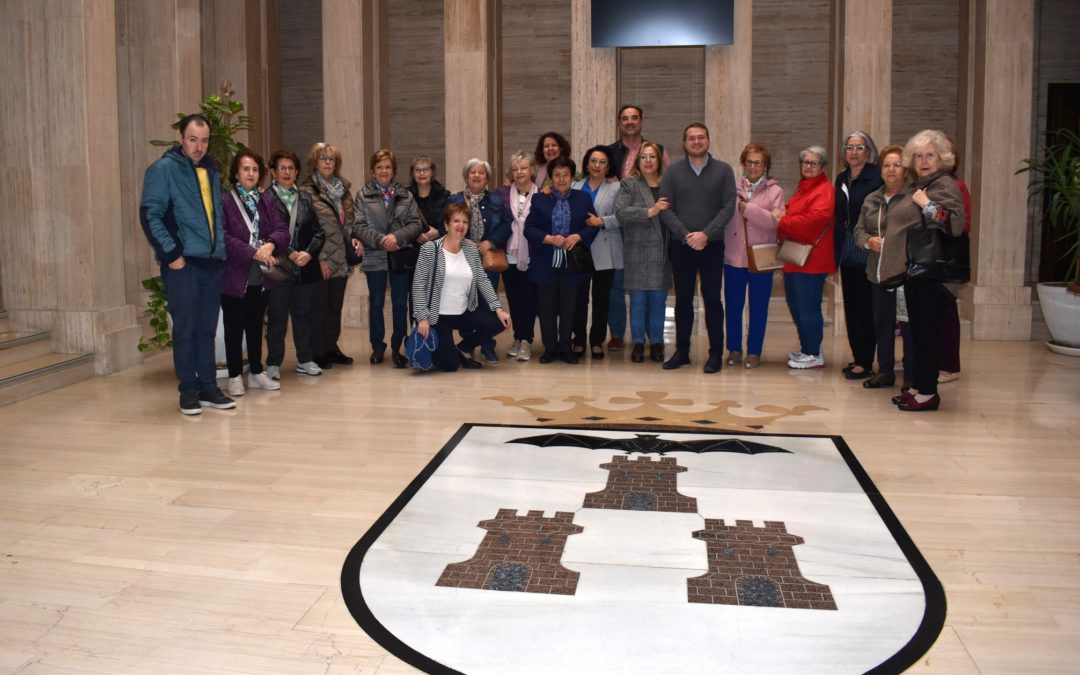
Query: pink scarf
pixel 518 246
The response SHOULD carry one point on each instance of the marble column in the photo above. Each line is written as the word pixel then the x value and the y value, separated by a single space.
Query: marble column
pixel 728 101
pixel 861 94
pixel 998 81
pixel 592 85
pixel 471 99
pixel 62 239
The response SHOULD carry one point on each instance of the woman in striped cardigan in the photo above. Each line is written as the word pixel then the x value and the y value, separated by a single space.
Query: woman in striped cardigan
pixel 447 286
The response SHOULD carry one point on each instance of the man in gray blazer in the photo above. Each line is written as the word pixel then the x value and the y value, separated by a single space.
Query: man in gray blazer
pixel 701 191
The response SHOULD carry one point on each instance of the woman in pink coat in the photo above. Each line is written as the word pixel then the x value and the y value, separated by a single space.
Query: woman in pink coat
pixel 758 197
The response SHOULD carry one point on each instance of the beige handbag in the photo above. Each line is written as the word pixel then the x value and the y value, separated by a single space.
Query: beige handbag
pixel 797 253
pixel 760 257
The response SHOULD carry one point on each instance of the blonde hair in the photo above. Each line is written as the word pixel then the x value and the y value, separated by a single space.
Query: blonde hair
pixel 318 149
pixel 659 158
pixel 930 138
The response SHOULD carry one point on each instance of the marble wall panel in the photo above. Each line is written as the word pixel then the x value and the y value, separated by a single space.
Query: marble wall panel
pixel 301 83
pixel 925 67
pixel 415 86
pixel 669 83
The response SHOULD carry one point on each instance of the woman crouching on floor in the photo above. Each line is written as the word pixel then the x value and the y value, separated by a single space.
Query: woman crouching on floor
pixel 448 281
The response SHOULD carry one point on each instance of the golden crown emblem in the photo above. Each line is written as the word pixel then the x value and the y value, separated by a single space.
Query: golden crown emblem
pixel 651 410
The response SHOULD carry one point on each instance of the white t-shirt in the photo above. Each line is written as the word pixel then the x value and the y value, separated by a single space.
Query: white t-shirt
pixel 456 284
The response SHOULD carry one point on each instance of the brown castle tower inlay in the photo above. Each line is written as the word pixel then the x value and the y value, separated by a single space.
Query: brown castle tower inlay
pixel 519 553
pixel 641 485
pixel 754 566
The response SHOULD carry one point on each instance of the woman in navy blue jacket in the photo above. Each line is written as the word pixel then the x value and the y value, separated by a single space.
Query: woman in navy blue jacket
pixel 556 225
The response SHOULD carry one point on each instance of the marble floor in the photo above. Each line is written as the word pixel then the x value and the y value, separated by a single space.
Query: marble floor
pixel 136 540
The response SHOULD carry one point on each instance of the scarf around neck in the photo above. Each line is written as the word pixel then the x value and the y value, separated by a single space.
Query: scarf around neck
pixel 518 246
pixel 560 215
pixel 334 190
pixel 251 202
pixel 750 188
pixel 476 219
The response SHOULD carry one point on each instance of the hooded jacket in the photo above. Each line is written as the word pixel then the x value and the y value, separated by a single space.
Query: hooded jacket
pixel 172 212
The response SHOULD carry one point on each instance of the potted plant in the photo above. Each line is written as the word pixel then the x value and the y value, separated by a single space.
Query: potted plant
pixel 225 119
pixel 1056 183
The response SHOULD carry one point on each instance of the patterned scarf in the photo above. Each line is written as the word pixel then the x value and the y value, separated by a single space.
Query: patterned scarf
pixel 518 246
pixel 334 190
pixel 288 196
pixel 560 215
pixel 251 201
pixel 476 220
pixel 750 188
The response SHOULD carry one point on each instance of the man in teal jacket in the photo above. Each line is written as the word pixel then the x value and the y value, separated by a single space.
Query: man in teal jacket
pixel 181 215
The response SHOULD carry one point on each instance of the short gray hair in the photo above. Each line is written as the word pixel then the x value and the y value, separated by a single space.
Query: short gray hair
pixel 822 154
pixel 930 138
pixel 871 157
pixel 472 164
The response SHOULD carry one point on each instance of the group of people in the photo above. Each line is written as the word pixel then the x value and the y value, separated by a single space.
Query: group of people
pixel 568 246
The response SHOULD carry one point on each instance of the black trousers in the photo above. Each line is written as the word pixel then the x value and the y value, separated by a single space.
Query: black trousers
pixel 926 302
pixel 950 337
pixel 243 317
pixel 686 265
pixel 601 300
pixel 521 296
pixel 327 299
pixel 288 299
pixel 859 315
pixel 557 299
pixel 883 301
pixel 474 327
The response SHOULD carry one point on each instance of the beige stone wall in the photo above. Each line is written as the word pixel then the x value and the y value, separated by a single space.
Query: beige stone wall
pixel 301 82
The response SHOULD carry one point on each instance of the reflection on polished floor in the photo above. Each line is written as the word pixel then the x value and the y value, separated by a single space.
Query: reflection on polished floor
pixel 133 539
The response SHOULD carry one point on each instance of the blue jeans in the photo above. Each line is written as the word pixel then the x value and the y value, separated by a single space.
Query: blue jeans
pixel 193 294
pixel 647 316
pixel 399 303
pixel 617 306
pixel 804 292
pixel 736 280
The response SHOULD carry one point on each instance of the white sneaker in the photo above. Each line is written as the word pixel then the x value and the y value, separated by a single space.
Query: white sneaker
pixel 791 356
pixel 235 386
pixel 513 351
pixel 261 381
pixel 308 368
pixel 524 352
pixel 806 361
pixel 273 372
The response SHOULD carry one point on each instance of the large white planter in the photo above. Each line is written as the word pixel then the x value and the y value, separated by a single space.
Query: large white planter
pixel 1061 310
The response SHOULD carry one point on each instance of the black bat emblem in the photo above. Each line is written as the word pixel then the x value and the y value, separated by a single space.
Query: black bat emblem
pixel 649 443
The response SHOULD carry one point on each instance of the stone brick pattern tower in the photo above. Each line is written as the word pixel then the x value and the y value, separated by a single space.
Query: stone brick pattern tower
pixel 754 566
pixel 641 485
pixel 519 553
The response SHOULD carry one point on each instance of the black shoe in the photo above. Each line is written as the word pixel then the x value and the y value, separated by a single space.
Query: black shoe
pixel 548 357
pixel 677 360
pixel 399 360
pixel 880 380
pixel 468 361
pixel 598 353
pixel 656 352
pixel 713 365
pixel 338 357
pixel 324 362
pixel 637 354
pixel 214 398
pixel 377 357
pixel 189 403
pixel 851 374
pixel 568 357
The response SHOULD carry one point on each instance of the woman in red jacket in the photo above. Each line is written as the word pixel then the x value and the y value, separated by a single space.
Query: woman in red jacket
pixel 808 219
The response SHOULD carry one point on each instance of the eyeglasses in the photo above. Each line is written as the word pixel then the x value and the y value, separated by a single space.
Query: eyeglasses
pixel 597 160
pixel 753 162
pixel 326 158
pixel 285 168
pixel 926 155
pixel 648 157
pixel 422 169
pixel 811 162
pixel 892 165
pixel 856 148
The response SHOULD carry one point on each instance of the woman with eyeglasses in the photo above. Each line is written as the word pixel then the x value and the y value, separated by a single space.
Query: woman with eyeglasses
pixel 606 249
pixel 387 221
pixel 873 235
pixel 860 177
pixel 808 219
pixel 752 223
pixel 292 297
pixel 645 251
pixel 331 196
pixel 430 197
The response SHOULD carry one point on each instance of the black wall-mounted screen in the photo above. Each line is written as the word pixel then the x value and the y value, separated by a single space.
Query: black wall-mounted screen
pixel 662 23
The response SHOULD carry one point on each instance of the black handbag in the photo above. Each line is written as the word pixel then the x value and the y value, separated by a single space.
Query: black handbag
pixel 935 255
pixel 403 260
pixel 579 259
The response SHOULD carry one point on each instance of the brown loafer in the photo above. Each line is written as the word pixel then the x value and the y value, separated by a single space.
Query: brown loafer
pixel 880 380
pixel 734 358
pixel 752 361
